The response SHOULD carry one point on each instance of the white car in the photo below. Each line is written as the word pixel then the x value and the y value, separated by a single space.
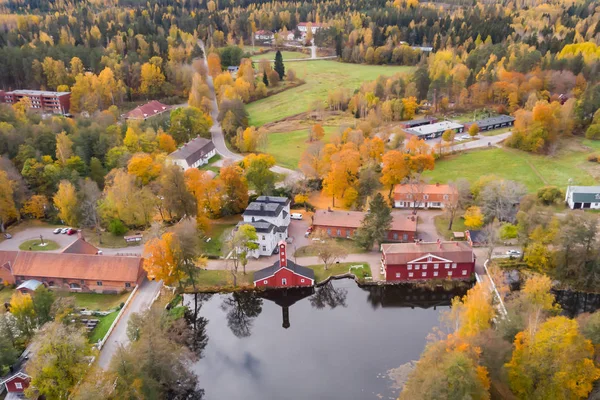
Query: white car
pixel 57 231
pixel 64 230
pixel 513 253
pixel 296 216
pixel 464 137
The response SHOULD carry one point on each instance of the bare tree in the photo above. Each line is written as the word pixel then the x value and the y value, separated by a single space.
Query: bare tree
pixel 499 199
pixel 416 188
pixel 328 250
pixel 457 199
pixel 491 237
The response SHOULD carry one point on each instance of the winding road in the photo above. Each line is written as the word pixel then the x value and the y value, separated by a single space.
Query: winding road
pixel 218 137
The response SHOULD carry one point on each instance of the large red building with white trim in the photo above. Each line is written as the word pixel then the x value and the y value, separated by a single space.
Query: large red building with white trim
pixel 425 261
pixel 284 273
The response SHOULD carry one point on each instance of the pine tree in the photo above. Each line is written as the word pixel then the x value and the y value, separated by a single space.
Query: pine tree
pixel 265 79
pixel 375 224
pixel 279 67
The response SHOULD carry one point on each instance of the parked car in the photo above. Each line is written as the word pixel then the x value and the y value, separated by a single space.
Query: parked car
pixel 71 231
pixel 64 230
pixel 7 235
pixel 57 231
pixel 296 216
pixel 513 253
pixel 464 137
pixel 308 231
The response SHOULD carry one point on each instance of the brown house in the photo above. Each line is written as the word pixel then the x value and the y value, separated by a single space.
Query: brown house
pixel 423 195
pixel 345 223
pixel 79 268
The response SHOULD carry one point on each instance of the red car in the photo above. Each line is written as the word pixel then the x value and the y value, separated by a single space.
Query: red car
pixel 308 231
pixel 71 231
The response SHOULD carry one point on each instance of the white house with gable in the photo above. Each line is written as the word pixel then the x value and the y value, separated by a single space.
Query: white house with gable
pixel 270 215
pixel 583 197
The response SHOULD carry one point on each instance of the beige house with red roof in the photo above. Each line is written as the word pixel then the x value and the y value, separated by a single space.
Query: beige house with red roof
pixel 422 195
pixel 337 223
pixel 80 267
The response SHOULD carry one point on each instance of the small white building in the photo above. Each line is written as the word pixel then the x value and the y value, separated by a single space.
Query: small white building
pixel 271 217
pixel 583 197
pixel 263 35
pixel 193 154
pixel 314 27
pixel 433 131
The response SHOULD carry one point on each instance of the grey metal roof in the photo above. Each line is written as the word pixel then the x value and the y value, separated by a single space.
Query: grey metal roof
pixel 30 284
pixel 193 150
pixel 273 199
pixel 433 128
pixel 260 226
pixel 257 209
pixel 500 119
pixel 585 194
pixel 418 122
pixel 298 269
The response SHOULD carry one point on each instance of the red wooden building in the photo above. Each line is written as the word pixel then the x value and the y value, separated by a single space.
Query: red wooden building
pixel 16 385
pixel 423 261
pixel 284 273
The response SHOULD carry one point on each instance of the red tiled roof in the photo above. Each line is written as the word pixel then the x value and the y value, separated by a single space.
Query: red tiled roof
pixel 80 246
pixel 147 110
pixel 353 219
pixel 426 189
pixel 402 253
pixel 8 258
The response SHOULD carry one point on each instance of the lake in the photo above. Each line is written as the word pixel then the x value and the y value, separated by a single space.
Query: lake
pixel 339 341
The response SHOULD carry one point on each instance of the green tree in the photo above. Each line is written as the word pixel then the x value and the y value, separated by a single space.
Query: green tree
pixel 188 123
pixel 259 174
pixel 265 79
pixel 376 224
pixel 60 362
pixel 8 352
pixel 279 67
pixel 21 307
pixel 244 241
pixel 43 299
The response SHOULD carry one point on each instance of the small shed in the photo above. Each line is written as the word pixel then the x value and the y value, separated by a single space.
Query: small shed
pixel 29 286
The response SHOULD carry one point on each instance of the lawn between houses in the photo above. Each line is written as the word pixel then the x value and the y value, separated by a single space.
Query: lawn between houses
pixel 311 250
pixel 320 76
pixel 339 269
pixel 532 170
pixel 287 147
pixel 287 55
pixel 105 321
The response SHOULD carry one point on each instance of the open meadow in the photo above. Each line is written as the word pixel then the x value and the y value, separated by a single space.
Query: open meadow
pixel 532 170
pixel 287 55
pixel 320 76
pixel 287 147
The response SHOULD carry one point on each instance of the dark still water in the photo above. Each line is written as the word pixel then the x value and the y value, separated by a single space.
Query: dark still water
pixel 336 342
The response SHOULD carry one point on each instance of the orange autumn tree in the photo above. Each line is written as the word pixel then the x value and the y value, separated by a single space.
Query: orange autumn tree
pixel 343 175
pixel 208 194
pixel 143 167
pixel 161 260
pixel 36 206
pixel 395 170
pixel 166 142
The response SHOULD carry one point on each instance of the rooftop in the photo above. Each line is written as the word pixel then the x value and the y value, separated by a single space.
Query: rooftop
pixel 260 226
pixel 433 128
pixel 270 271
pixel 263 209
pixel 584 189
pixel 402 253
pixel 30 284
pixel 424 188
pixel 500 119
pixel 37 93
pixel 272 199
pixel 413 122
pixel 147 110
pixel 193 150
pixel 353 219
pixel 80 246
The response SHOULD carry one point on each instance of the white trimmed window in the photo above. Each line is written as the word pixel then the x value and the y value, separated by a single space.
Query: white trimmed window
pixel 398 274
pixel 449 273
pixel 436 266
pixel 464 272
pixel 424 274
pixel 447 266
pixel 18 385
pixel 417 267
pixel 424 266
pixel 301 280
pixel 409 267
pixel 453 265
pixel 410 274
pixel 435 273
pixel 284 281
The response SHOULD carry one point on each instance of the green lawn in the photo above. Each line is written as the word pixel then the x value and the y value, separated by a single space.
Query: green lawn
pixel 287 147
pixel 351 247
pixel 217 233
pixel 534 171
pixel 107 239
pixel 336 269
pixel 35 245
pixel 441 224
pixel 5 294
pixel 97 301
pixel 320 76
pixel 103 326
pixel 215 279
pixel 287 55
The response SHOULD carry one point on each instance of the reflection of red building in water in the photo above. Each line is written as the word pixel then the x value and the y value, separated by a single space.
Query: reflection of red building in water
pixel 284 273
pixel 287 298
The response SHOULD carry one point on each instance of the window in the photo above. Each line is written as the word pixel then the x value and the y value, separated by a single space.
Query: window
pixel 301 280
pixel 284 281
pixel 82 282
pixel 446 197
pixel 329 231
pixel 424 274
pixel 405 237
pixel 435 273
pixel 447 266
pixel 409 196
pixel 265 281
pixel 409 267
pixel 99 283
pixel 453 265
pixel 424 266
pixel 417 267
pixel 264 248
pixel 436 266
pixel 263 237
pixel 449 273
pixel 18 385
pixel 410 274
pixel 425 196
pixel 397 274
pixel 464 272
pixel 339 232
pixel 395 235
pixel 127 284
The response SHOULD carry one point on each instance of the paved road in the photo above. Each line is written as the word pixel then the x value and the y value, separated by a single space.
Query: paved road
pixel 141 302
pixel 218 137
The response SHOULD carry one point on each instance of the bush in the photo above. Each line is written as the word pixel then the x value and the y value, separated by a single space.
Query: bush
pixel 116 227
pixel 508 231
pixel 593 158
pixel 549 195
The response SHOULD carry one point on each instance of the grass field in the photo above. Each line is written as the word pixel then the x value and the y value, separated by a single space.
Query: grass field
pixel 441 224
pixel 35 245
pixel 96 301
pixel 287 147
pixel 217 234
pixel 350 245
pixel 287 55
pixel 214 279
pixel 320 76
pixel 103 326
pixel 336 269
pixel 5 294
pixel 534 171
pixel 108 239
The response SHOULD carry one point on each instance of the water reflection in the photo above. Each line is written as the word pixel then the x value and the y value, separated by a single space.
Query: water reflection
pixel 575 303
pixel 333 342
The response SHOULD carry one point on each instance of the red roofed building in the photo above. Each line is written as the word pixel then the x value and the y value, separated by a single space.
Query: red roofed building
pixel 424 261
pixel 147 110
pixel 284 273
pixel 425 196
pixel 16 385
pixel 345 223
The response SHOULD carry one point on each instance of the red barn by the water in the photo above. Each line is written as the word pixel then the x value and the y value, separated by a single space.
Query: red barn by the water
pixel 423 261
pixel 284 273
pixel 16 384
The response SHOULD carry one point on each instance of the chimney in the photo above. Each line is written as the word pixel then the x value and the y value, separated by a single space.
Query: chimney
pixel 282 254
pixel 437 184
pixel 262 207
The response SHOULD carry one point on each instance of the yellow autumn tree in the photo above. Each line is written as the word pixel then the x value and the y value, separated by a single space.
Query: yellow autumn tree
pixel 143 167
pixel 64 147
pixel 8 210
pixel 161 260
pixel 473 217
pixel 473 313
pixel 65 200
pixel 36 206
pixel 166 143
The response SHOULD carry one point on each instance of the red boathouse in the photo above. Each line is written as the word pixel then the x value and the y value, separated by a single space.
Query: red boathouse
pixel 16 384
pixel 424 261
pixel 284 273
